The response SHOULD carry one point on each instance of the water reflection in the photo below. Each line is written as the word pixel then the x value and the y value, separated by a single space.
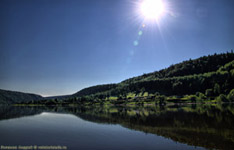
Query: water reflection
pixel 209 126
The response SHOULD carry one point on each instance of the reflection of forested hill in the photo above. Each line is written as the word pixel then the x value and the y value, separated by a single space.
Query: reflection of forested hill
pixel 9 112
pixel 206 126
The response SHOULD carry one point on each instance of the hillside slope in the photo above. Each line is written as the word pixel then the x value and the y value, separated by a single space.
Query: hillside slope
pixel 187 77
pixel 9 97
pixel 95 89
pixel 200 65
pixel 211 75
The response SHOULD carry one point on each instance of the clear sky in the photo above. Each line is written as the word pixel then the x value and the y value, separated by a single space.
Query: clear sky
pixel 56 47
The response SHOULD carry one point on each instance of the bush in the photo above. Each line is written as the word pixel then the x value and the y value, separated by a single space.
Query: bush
pixel 222 98
pixel 231 95
pixel 200 96
pixel 209 92
pixel 193 98
pixel 160 99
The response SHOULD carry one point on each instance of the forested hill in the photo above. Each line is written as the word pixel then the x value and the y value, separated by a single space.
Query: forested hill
pixel 211 75
pixel 8 97
pixel 200 65
pixel 213 72
pixel 95 89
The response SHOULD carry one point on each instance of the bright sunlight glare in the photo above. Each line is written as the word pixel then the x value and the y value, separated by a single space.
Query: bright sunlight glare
pixel 152 9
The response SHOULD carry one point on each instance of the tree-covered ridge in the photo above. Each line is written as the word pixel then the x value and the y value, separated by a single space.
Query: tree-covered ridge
pixel 200 65
pixel 7 97
pixel 95 89
pixel 221 79
pixel 211 74
pixel 207 77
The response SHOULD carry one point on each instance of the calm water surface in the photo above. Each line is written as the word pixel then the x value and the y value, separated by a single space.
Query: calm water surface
pixel 118 127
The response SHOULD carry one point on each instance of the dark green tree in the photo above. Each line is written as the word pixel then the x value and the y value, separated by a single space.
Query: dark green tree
pixel 216 89
pixel 209 92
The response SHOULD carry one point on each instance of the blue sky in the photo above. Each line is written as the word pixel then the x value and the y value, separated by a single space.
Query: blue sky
pixel 57 47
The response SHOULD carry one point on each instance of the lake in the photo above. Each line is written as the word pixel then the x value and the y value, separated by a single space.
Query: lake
pixel 122 127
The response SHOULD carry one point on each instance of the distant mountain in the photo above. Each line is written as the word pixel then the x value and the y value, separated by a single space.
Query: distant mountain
pixel 9 97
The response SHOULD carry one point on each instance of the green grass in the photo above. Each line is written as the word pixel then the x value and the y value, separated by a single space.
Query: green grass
pixel 113 98
pixel 146 94
pixel 131 95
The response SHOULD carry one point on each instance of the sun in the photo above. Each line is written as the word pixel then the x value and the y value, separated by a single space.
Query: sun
pixel 152 9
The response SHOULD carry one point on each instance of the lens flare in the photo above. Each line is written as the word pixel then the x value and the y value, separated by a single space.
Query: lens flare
pixel 140 33
pixel 135 43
